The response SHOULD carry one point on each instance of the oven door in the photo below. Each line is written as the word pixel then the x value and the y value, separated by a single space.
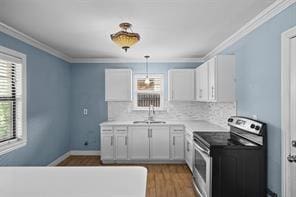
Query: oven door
pixel 202 171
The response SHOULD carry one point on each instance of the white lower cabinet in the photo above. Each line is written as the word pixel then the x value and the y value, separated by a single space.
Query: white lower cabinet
pixel 149 143
pixel 177 147
pixel 142 143
pixel 121 142
pixel 138 143
pixel 159 143
pixel 114 143
pixel 121 146
pixel 107 146
pixel 177 143
pixel 189 152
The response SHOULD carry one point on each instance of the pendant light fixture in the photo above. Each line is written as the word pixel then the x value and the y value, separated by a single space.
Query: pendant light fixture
pixel 147 80
pixel 124 38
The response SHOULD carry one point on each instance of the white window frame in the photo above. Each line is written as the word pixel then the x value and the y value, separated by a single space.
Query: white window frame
pixel 14 144
pixel 135 95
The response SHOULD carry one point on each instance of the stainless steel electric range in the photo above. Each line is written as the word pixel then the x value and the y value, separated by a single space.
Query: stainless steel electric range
pixel 231 164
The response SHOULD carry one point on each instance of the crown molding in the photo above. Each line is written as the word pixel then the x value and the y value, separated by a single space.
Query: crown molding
pixel 268 13
pixel 135 60
pixel 31 41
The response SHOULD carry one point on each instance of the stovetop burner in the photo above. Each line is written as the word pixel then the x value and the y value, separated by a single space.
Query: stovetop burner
pixel 211 139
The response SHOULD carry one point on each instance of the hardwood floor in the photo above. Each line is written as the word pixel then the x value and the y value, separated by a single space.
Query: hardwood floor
pixel 164 180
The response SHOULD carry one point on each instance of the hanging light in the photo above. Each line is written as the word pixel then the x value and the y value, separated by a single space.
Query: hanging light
pixel 147 80
pixel 125 39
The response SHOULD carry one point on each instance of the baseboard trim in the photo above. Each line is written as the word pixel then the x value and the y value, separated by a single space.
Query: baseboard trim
pixel 143 162
pixel 60 159
pixel 74 152
pixel 87 152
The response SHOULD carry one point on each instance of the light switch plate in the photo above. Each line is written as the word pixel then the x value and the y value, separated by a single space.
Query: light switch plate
pixel 85 111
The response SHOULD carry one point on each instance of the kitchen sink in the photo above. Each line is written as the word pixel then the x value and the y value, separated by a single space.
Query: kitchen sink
pixel 149 122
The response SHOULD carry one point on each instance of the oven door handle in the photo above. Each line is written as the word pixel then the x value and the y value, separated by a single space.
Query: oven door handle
pixel 201 149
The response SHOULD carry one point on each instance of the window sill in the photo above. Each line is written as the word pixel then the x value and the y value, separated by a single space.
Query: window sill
pixel 9 146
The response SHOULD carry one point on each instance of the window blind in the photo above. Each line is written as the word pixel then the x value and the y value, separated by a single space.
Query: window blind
pixel 147 99
pixel 10 100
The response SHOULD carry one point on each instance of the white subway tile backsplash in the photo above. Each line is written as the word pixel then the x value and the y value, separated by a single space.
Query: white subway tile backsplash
pixel 217 113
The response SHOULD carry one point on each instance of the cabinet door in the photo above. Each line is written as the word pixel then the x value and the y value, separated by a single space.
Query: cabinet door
pixel 121 146
pixel 118 85
pixel 212 79
pixel 178 146
pixel 198 83
pixel 138 148
pixel 204 80
pixel 189 153
pixel 181 83
pixel 107 146
pixel 159 143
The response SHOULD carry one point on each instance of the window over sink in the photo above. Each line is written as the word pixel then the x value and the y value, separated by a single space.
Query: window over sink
pixel 145 94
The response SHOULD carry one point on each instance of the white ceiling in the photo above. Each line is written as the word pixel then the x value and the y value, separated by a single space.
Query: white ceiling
pixel 168 28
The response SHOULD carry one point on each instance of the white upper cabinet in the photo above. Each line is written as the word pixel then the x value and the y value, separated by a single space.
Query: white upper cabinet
pixel 181 85
pixel 201 82
pixel 118 85
pixel 215 80
pixel 222 78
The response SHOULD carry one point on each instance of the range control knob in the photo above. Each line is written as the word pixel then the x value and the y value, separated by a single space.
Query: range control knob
pixel 230 119
pixel 257 127
pixel 252 126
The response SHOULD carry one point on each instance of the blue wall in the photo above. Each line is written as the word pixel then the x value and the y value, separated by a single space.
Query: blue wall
pixel 88 91
pixel 258 89
pixel 48 96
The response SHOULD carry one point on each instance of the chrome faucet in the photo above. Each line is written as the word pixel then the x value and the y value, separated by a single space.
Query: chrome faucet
pixel 151 115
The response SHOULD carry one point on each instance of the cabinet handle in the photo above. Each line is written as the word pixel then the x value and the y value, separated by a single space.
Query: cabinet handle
pixel 125 140
pixel 112 139
pixel 151 133
pixel 148 133
pixel 120 130
pixel 187 146
pixel 200 93
pixel 178 130
pixel 212 91
pixel 107 130
pixel 174 140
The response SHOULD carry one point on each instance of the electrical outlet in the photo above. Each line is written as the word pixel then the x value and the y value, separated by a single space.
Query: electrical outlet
pixel 85 111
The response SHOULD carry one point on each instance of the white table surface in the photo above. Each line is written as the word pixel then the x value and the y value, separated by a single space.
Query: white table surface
pixel 73 181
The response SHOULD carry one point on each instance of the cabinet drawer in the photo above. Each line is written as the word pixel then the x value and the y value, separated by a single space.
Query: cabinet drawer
pixel 120 129
pixel 177 129
pixel 106 130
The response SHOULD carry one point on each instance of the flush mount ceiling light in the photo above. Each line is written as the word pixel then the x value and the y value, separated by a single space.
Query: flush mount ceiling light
pixel 124 38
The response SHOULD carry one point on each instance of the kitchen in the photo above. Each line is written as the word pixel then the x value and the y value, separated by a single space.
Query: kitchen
pixel 90 103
